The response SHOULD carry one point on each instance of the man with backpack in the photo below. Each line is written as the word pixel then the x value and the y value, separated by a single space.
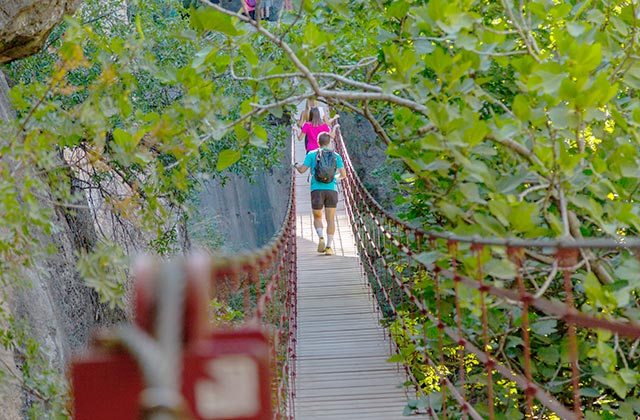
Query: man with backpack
pixel 324 164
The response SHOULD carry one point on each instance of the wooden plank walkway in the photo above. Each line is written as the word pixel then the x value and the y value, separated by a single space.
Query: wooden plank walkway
pixel 342 370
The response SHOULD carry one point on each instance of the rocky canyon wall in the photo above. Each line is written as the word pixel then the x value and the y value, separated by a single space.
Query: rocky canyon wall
pixel 244 213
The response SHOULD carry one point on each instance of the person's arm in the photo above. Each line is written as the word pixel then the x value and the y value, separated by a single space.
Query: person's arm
pixel 301 134
pixel 340 166
pixel 308 161
pixel 332 134
pixel 300 168
pixel 326 119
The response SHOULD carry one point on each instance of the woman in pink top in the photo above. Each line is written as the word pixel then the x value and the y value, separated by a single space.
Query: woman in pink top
pixel 249 8
pixel 312 129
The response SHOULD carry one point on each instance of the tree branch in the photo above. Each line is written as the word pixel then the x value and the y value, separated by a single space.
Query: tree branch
pixel 377 127
pixel 311 78
pixel 519 149
pixel 597 266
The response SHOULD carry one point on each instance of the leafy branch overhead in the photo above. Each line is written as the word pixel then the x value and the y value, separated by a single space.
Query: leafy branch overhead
pixel 531 99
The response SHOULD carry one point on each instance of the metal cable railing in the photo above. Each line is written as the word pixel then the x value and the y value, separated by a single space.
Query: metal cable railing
pixel 439 295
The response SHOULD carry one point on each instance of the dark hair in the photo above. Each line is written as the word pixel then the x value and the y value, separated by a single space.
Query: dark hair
pixel 314 116
pixel 324 139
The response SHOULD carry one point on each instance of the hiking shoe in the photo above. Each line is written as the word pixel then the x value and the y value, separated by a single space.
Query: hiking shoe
pixel 328 251
pixel 321 247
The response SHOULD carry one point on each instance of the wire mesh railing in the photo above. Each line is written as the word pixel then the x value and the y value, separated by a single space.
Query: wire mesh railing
pixel 488 326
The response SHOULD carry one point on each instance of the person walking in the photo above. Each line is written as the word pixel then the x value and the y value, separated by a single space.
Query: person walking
pixel 324 165
pixel 324 114
pixel 311 129
pixel 265 9
pixel 249 8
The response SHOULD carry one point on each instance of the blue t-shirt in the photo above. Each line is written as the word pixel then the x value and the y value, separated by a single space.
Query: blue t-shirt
pixel 310 162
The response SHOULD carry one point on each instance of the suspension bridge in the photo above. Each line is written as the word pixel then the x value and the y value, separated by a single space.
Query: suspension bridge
pixel 329 350
pixel 342 350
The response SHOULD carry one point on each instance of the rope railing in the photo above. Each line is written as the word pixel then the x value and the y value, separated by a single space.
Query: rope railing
pixel 438 291
pixel 270 273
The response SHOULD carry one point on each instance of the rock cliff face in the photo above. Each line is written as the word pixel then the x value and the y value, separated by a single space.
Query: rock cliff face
pixel 58 309
pixel 9 389
pixel 247 214
pixel 52 301
pixel 25 25
pixel 369 156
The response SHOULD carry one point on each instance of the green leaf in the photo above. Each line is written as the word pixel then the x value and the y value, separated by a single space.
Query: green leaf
pixel 476 133
pixel 396 358
pixel 629 376
pixel 501 210
pixel 575 29
pixel 124 139
pixel 625 410
pixel 545 327
pixel 589 392
pixel 207 18
pixel 593 288
pixel 520 107
pixel 471 192
pixel 589 57
pixel 509 183
pixel 200 57
pixel 549 355
pixel 227 158
pixel 615 382
pixel 523 215
pixel 340 6
pixel 489 223
pixel 500 268
pixel 428 258
pixel 398 9
pixel 436 165
pixel 249 53
pixel 449 210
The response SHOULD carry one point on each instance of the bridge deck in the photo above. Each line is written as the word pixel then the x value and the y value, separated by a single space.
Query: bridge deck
pixel 342 351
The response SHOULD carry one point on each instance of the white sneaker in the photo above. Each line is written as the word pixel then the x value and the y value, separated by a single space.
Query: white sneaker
pixel 321 246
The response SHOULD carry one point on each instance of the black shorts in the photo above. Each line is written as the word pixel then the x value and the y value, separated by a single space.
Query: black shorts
pixel 324 198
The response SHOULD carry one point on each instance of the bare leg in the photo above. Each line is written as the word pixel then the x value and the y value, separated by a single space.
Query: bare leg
pixel 317 223
pixel 330 214
pixel 317 219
